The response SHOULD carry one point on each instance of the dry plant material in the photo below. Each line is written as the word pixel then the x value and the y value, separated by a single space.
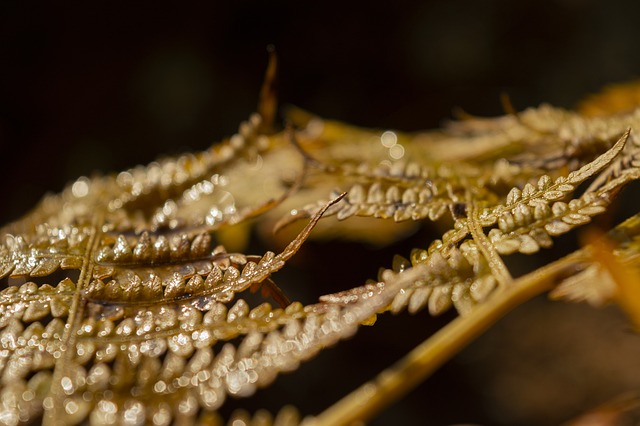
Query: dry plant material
pixel 115 292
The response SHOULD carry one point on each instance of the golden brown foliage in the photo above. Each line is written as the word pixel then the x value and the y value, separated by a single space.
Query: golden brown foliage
pixel 116 291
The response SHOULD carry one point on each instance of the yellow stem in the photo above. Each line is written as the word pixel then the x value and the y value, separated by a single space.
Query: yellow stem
pixel 416 366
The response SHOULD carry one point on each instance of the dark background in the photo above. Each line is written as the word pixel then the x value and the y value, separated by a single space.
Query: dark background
pixel 103 87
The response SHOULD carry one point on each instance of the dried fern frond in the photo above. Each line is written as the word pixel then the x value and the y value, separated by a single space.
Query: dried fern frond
pixel 121 302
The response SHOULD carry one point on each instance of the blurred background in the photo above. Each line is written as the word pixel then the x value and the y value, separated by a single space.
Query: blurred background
pixel 104 86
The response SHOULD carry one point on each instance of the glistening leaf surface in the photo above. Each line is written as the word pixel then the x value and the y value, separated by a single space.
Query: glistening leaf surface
pixel 120 304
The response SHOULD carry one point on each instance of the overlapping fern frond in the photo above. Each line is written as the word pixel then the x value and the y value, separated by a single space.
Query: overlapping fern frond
pixel 121 305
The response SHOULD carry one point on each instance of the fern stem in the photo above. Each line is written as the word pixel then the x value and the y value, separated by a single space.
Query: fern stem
pixel 418 364
pixel 498 268
pixel 53 404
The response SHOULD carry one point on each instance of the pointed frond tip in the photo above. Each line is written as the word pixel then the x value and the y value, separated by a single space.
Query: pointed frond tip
pixel 130 298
